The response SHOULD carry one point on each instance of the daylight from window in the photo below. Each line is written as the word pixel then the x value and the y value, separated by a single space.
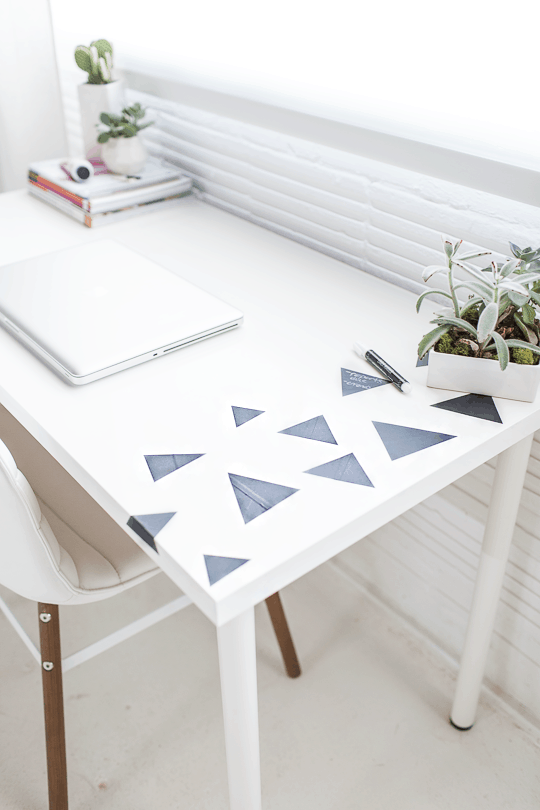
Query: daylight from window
pixel 463 75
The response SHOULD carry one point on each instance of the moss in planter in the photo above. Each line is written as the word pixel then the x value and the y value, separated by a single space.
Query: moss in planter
pixel 525 357
pixel 448 345
pixel 445 344
pixel 462 349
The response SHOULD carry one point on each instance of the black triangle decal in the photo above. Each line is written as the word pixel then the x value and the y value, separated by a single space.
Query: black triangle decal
pixel 255 497
pixel 316 429
pixel 219 567
pixel 483 407
pixel 353 381
pixel 160 466
pixel 147 526
pixel 346 468
pixel 402 441
pixel 243 415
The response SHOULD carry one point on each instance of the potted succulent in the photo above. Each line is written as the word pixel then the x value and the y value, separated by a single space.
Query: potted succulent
pixel 101 92
pixel 488 343
pixel 122 151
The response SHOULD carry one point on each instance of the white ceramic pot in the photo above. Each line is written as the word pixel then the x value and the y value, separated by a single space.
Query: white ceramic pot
pixel 95 99
pixel 124 155
pixel 475 375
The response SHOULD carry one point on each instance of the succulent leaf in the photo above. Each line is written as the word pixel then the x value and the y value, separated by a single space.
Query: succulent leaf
pixel 459 323
pixel 503 352
pixel 521 344
pixel 430 340
pixel 471 303
pixel 487 321
pixel 428 292
pixel 528 314
pixel 473 271
pixel 487 293
pixel 467 256
pixel 515 250
pixel 509 267
pixel 432 270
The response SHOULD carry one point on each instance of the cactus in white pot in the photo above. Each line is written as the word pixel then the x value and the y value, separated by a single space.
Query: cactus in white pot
pixel 101 92
pixel 122 151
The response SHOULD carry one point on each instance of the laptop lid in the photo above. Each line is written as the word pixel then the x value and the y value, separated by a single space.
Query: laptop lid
pixel 95 309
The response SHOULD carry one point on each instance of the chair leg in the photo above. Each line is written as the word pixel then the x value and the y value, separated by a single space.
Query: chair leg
pixel 283 635
pixel 53 703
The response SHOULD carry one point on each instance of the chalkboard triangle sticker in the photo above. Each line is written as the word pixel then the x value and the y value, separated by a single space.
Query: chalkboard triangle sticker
pixel 219 567
pixel 346 469
pixel 478 405
pixel 160 466
pixel 354 381
pixel 147 526
pixel 254 497
pixel 402 441
pixel 316 429
pixel 243 415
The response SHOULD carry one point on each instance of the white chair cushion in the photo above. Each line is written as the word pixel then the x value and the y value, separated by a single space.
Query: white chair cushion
pixel 92 556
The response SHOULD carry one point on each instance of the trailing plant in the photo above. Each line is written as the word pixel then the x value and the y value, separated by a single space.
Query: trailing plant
pixel 498 319
pixel 96 60
pixel 123 126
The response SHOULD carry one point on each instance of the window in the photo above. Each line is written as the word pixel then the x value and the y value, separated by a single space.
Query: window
pixel 463 75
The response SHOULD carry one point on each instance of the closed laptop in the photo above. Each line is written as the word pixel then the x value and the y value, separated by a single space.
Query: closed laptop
pixel 95 309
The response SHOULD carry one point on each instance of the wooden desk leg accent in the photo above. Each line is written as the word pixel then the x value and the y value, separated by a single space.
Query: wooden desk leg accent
pixel 283 635
pixel 53 702
pixel 503 508
pixel 238 671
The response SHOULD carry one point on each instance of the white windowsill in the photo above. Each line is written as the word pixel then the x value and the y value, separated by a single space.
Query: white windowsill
pixel 458 162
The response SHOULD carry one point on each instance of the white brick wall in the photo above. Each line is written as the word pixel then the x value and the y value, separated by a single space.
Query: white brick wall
pixel 387 221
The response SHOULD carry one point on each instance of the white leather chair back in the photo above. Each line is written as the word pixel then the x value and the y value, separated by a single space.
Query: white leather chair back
pixel 30 556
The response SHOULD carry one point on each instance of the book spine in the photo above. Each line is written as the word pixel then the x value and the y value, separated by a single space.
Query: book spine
pixel 98 220
pixel 137 196
pixel 48 185
pixel 60 203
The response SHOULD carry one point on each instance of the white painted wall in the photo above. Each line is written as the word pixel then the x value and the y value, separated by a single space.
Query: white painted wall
pixel 31 114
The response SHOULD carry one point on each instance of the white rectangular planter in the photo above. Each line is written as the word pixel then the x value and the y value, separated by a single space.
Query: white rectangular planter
pixel 480 376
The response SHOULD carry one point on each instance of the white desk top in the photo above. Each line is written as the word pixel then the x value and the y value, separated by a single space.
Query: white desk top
pixel 302 313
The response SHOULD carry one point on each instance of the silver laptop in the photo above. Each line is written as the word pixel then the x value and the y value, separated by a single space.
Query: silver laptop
pixel 92 310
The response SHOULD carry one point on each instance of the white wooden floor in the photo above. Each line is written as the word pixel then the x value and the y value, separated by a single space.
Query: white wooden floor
pixel 364 728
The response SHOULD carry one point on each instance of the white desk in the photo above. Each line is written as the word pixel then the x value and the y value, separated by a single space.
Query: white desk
pixel 302 312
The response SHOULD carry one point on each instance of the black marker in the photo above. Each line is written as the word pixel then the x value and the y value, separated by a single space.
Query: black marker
pixel 382 366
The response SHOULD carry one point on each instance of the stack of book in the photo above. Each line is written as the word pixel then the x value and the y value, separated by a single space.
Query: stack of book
pixel 107 197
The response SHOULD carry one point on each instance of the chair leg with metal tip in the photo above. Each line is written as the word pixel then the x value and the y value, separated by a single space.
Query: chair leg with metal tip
pixel 53 702
pixel 283 635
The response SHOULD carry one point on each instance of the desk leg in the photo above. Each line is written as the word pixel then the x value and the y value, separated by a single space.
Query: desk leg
pixel 503 508
pixel 238 670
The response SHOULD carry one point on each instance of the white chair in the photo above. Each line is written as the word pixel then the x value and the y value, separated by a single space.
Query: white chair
pixel 58 547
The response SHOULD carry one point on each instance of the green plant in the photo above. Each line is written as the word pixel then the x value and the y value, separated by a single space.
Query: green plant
pixel 96 61
pixel 499 314
pixel 123 126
